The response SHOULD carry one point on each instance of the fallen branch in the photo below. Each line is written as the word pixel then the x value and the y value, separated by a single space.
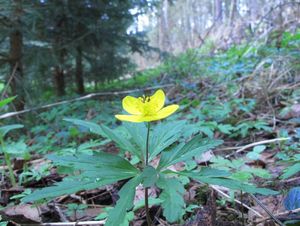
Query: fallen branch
pixel 267 211
pixel 279 215
pixel 237 201
pixel 255 144
pixel 11 114
pixel 69 223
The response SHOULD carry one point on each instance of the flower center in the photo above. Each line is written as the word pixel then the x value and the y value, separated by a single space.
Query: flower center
pixel 145 99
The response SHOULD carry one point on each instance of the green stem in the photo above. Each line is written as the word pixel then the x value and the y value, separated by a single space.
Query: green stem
pixel 8 163
pixel 147 144
pixel 146 189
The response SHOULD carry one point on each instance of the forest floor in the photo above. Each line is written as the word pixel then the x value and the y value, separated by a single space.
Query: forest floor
pixel 256 114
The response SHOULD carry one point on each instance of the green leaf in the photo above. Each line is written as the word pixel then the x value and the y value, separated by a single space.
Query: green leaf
pixel 93 127
pixel 116 216
pixel 67 186
pixel 161 136
pixel 211 172
pixel 149 176
pixel 241 176
pixel 257 172
pixel 259 148
pixel 121 141
pixel 290 171
pixel 16 148
pixel 229 183
pixel 138 134
pixel 208 131
pixel 172 198
pixel 101 165
pixel 5 129
pixel 6 101
pixel 164 135
pixel 186 151
pixel 253 155
pixel 225 128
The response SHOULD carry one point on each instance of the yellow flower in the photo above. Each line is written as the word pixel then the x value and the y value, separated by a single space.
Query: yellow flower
pixel 146 109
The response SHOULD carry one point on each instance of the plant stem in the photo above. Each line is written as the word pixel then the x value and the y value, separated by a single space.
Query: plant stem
pixel 146 189
pixel 8 163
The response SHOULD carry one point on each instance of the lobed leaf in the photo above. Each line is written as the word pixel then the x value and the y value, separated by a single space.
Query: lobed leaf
pixel 186 151
pixel 100 165
pixel 164 135
pixel 291 170
pixel 121 141
pixel 67 186
pixel 116 216
pixel 5 129
pixel 172 198
pixel 93 127
pixel 229 183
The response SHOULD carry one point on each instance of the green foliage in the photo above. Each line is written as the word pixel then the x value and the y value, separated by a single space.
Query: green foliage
pixel 125 202
pixel 172 197
pixel 74 208
pixel 255 153
pixel 6 101
pixel 95 171
pixel 67 186
pixel 5 129
pixel 98 168
pixel 33 174
pixel 215 112
pixel 210 176
pixel 239 169
pixel 100 165
pixel 22 195
pixel 184 152
pixel 292 169
pixel 149 176
pixel 243 129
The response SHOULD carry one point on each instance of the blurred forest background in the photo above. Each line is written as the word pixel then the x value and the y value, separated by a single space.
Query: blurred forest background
pixel 62 47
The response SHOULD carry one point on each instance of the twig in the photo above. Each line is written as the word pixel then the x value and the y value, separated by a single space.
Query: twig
pixel 280 214
pixel 242 209
pixel 9 80
pixel 60 213
pixel 290 180
pixel 257 143
pixel 10 114
pixel 267 211
pixel 69 223
pixel 237 201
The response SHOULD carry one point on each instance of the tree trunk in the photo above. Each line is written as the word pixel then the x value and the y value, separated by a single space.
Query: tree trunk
pixel 164 27
pixel 15 55
pixel 233 11
pixel 218 12
pixel 59 75
pixel 254 10
pixel 59 81
pixel 79 70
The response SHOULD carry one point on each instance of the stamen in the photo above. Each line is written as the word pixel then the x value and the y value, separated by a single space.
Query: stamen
pixel 145 99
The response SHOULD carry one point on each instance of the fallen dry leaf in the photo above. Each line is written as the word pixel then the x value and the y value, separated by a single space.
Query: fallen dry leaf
pixel 22 214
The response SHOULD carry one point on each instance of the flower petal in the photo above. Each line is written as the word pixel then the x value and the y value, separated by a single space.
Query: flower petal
pixel 132 105
pixel 129 118
pixel 157 100
pixel 167 111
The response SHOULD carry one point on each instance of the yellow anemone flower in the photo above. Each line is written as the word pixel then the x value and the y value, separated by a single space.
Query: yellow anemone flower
pixel 146 108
